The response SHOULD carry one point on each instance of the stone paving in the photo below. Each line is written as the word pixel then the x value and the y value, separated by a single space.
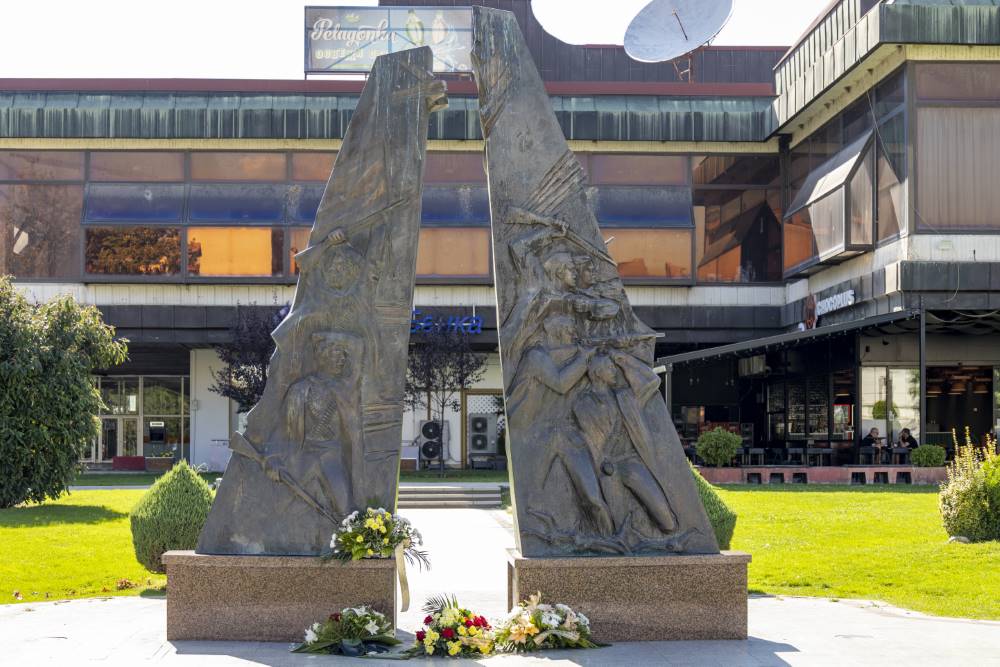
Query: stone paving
pixel 468 551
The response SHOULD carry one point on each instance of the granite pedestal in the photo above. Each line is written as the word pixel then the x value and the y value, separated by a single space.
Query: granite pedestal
pixel 649 598
pixel 268 598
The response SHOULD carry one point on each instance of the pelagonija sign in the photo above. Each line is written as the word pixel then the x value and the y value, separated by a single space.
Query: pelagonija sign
pixel 348 39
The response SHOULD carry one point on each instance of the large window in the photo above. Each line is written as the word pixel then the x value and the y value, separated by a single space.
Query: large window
pixel 958 158
pixel 881 177
pixel 133 251
pixel 453 252
pixel 40 230
pixel 143 416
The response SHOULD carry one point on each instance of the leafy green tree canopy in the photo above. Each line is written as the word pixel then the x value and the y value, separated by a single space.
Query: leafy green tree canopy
pixel 48 401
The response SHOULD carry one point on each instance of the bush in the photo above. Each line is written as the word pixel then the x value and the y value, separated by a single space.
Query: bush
pixel 170 515
pixel 970 497
pixel 722 518
pixel 718 446
pixel 48 402
pixel 928 456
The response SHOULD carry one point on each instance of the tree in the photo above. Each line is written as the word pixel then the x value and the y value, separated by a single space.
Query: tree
pixel 246 357
pixel 441 365
pixel 48 400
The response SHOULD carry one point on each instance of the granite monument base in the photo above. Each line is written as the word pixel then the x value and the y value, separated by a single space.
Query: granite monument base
pixel 646 598
pixel 268 598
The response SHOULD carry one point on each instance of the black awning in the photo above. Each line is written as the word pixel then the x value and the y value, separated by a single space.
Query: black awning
pixel 758 345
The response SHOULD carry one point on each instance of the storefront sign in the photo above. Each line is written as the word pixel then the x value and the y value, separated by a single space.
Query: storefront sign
pixel 835 302
pixel 348 39
pixel 464 324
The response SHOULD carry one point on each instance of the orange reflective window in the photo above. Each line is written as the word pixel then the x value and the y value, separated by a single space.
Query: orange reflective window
pixel 614 169
pixel 651 253
pixel 299 241
pixel 236 166
pixel 454 168
pixel 234 251
pixel 136 166
pixel 454 251
pixel 40 230
pixel 312 166
pixel 41 166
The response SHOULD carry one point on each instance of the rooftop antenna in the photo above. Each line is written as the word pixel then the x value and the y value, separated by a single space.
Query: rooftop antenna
pixel 673 29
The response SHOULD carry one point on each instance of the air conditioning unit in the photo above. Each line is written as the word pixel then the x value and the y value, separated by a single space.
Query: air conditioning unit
pixel 431 441
pixel 481 433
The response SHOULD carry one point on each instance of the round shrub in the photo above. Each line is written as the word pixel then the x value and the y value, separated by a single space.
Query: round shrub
pixel 170 515
pixel 928 456
pixel 970 497
pixel 722 518
pixel 718 446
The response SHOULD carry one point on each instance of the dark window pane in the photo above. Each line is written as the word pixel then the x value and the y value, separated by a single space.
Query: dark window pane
pixel 225 203
pixel 454 168
pixel 235 251
pixel 890 93
pixel 312 166
pixel 136 166
pixel 738 236
pixel 456 205
pixel 40 230
pixel 643 206
pixel 161 395
pixel 238 166
pixel 453 251
pixel 135 203
pixel 651 253
pixel 303 202
pixel 615 169
pixel 958 81
pixel 41 166
pixel 857 119
pixel 735 170
pixel 147 251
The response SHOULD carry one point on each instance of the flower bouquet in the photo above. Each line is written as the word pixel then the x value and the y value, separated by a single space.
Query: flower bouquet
pixel 377 533
pixel 534 626
pixel 451 630
pixel 356 631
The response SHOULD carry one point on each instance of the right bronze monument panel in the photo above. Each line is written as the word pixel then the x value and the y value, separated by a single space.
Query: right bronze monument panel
pixel 596 465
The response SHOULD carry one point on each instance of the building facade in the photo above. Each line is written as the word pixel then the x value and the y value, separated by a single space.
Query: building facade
pixel 812 230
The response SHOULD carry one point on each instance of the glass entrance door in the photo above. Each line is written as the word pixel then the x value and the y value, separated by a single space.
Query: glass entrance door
pixel 119 437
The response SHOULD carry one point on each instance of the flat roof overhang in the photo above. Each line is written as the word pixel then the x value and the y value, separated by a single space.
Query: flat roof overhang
pixel 783 341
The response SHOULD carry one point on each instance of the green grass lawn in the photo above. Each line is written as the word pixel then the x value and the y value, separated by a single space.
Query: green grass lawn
pixel 843 542
pixel 874 543
pixel 78 546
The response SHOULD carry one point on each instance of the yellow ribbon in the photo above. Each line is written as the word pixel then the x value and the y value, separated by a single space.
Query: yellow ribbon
pixel 404 588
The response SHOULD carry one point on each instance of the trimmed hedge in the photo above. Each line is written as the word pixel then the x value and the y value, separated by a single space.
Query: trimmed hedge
pixel 718 447
pixel 722 518
pixel 170 515
pixel 928 456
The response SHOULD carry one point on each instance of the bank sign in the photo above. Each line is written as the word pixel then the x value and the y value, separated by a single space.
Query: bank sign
pixel 348 39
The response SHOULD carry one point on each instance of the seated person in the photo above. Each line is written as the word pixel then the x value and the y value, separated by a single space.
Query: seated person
pixel 907 440
pixel 871 440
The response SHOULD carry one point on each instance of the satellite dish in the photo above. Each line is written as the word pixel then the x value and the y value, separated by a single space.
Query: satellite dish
pixel 670 29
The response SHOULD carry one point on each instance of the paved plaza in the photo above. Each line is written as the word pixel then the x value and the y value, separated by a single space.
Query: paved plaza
pixel 468 552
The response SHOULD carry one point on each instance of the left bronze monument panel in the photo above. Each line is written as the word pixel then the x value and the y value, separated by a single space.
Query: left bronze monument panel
pixel 324 440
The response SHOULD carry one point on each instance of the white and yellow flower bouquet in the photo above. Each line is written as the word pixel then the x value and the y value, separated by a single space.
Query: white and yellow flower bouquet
pixel 535 626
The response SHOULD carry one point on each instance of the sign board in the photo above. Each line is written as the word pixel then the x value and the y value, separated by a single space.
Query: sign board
pixel 463 324
pixel 348 39
pixel 835 302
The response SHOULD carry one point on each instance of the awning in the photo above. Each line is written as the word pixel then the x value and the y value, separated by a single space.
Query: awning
pixel 781 341
pixel 830 175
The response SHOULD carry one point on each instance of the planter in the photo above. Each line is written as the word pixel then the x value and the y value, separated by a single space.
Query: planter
pixel 128 463
pixel 159 463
